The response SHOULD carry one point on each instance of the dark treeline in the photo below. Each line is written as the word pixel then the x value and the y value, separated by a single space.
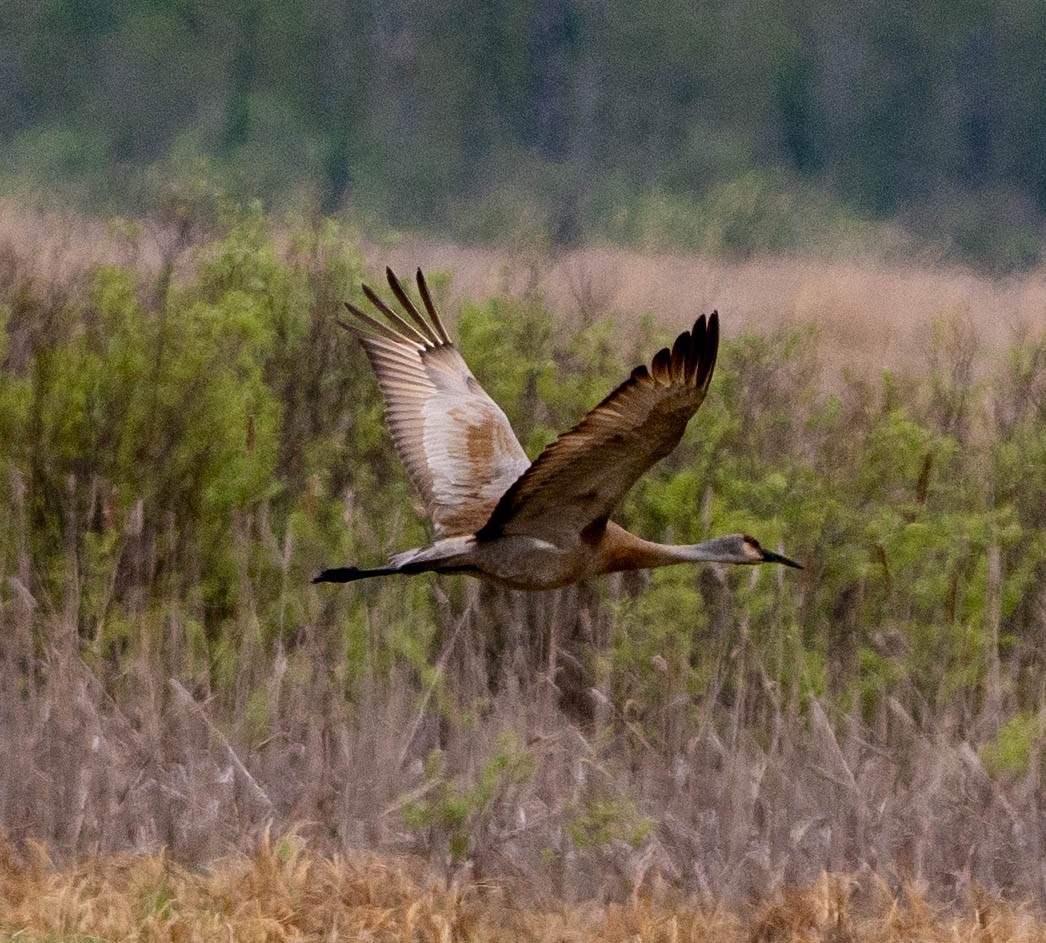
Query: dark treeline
pixel 718 126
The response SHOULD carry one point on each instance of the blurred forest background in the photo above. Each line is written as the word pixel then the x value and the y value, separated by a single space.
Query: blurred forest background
pixel 739 127
pixel 192 191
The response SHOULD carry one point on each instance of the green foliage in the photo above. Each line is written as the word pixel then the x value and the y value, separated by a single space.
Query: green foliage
pixel 756 211
pixel 492 335
pixel 178 463
pixel 606 820
pixel 453 808
pixel 1009 753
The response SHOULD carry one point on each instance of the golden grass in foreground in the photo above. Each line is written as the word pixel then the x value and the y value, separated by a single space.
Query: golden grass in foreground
pixel 286 893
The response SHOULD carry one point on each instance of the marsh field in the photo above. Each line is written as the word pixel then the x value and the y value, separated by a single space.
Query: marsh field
pixel 199 744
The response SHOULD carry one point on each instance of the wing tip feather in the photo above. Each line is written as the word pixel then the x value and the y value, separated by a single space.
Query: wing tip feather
pixel 691 357
pixel 428 333
pixel 709 351
pixel 408 305
pixel 680 355
pixel 430 307
pixel 661 366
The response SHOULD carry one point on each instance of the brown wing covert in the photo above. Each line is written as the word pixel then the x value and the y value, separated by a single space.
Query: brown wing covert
pixel 580 478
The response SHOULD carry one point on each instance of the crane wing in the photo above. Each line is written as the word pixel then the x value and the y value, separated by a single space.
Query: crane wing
pixel 456 443
pixel 581 477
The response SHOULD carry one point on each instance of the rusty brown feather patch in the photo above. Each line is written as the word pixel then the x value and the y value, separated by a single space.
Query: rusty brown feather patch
pixel 456 462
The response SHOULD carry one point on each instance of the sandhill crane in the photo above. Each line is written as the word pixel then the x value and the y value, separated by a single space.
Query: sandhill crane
pixel 499 516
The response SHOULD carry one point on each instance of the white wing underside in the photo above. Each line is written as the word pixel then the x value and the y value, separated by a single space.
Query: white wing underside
pixel 454 440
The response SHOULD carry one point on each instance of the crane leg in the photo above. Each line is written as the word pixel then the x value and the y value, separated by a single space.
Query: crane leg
pixel 349 574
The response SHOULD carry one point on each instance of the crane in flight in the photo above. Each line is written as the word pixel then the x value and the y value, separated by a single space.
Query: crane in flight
pixel 497 515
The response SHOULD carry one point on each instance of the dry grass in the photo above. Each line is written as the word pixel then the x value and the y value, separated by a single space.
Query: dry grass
pixel 872 313
pixel 747 795
pixel 285 892
pixel 730 817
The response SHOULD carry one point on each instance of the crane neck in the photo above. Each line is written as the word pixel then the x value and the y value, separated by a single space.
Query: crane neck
pixel 715 550
pixel 625 551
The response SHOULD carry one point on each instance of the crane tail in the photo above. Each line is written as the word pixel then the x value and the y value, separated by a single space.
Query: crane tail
pixel 449 555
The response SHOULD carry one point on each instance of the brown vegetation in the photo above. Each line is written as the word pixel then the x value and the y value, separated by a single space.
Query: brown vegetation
pixel 873 313
pixel 285 892
pixel 182 462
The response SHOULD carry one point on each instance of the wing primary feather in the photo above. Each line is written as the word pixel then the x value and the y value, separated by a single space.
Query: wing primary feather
pixel 709 351
pixel 693 354
pixel 699 343
pixel 426 298
pixel 360 335
pixel 409 307
pixel 680 350
pixel 382 330
pixel 407 330
pixel 662 366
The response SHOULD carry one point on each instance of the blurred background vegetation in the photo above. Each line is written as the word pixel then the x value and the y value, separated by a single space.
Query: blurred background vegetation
pixel 733 127
pixel 186 437
pixel 179 455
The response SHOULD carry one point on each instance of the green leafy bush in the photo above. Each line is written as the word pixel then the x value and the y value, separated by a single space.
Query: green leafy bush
pixel 179 463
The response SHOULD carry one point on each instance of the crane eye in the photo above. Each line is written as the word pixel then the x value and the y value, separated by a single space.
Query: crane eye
pixel 753 548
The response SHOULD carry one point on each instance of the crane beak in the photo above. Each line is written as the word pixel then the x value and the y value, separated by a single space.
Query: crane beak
pixel 770 557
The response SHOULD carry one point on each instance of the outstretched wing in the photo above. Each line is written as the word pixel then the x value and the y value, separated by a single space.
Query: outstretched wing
pixel 581 477
pixel 455 441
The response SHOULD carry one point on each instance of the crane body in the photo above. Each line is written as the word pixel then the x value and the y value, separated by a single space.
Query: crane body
pixel 497 515
pixel 531 564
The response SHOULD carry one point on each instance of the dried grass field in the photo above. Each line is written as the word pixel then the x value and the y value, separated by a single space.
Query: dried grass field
pixel 284 894
pixel 199 744
pixel 872 312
